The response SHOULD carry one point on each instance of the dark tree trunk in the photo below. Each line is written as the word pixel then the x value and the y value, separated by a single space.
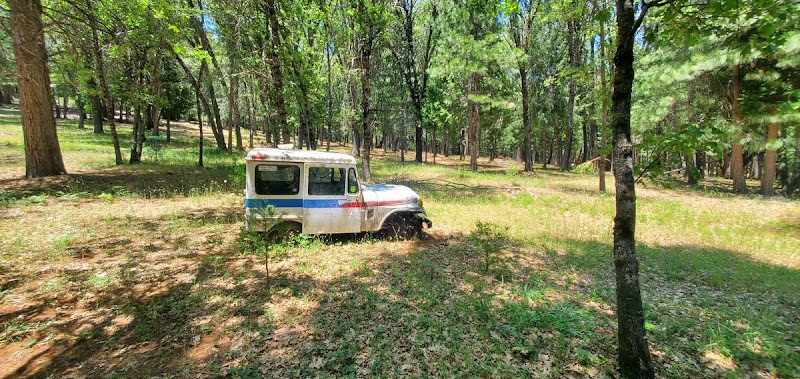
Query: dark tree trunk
pixel 200 123
pixel 474 118
pixel 737 148
pixel 157 87
pixel 604 92
pixel 234 118
pixel 573 41
pixel 251 114
pixel 416 79
pixel 196 83
pixel 634 355
pixel 329 118
pixel 97 114
pixel 42 150
pixel 366 119
pixel 81 114
pixel 65 106
pixel 216 124
pixel 306 132
pixel 275 67
pixel 691 169
pixel 527 146
pixel 56 107
pixel 138 129
pixel 770 159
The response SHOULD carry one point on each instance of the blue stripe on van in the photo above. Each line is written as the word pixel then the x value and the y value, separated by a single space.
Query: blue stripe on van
pixel 277 203
pixel 291 203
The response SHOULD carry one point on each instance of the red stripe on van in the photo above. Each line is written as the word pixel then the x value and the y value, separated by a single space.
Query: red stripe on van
pixel 356 204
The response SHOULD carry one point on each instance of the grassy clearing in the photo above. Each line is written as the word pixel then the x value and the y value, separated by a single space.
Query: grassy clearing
pixel 140 272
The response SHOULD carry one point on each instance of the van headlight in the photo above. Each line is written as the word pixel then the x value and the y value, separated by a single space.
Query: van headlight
pixel 419 201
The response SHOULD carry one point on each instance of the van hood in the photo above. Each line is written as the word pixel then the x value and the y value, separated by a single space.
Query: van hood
pixel 389 194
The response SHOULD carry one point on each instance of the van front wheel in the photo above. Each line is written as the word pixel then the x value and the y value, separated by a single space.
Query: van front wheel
pixel 401 227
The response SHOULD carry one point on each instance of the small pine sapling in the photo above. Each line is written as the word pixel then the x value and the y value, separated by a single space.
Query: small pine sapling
pixel 489 239
pixel 261 225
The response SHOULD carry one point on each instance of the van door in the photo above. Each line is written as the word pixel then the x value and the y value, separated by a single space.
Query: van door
pixel 329 207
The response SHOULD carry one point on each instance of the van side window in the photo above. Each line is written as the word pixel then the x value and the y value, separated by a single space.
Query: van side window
pixel 325 181
pixel 277 179
pixel 352 181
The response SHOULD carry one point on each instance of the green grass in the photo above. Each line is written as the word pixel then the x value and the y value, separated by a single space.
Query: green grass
pixel 140 271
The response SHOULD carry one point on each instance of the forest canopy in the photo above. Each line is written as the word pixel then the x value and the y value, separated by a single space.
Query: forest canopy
pixel 716 92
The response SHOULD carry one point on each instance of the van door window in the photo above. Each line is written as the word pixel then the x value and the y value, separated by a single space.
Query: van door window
pixel 352 181
pixel 277 179
pixel 325 181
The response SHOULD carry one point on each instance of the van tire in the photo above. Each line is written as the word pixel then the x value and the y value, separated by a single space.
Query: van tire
pixel 401 227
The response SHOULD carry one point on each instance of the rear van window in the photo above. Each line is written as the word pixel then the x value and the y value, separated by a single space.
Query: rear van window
pixel 277 179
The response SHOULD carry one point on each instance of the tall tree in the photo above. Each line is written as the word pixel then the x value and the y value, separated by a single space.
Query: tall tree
pixel 574 13
pixel 108 103
pixel 370 24
pixel 42 150
pixel 634 354
pixel 521 22
pixel 278 99
pixel 737 147
pixel 770 159
pixel 413 60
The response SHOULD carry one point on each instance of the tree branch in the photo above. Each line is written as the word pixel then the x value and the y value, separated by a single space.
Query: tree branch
pixel 646 7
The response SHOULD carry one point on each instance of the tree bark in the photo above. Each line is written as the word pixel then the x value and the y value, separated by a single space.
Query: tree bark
pixel 42 150
pixel 527 148
pixel 56 107
pixel 416 78
pixel 275 67
pixel 138 129
pixel 604 97
pixel 81 114
pixel 216 124
pixel 97 114
pixel 366 119
pixel 108 103
pixel 196 83
pixel 634 355
pixel 473 115
pixel 690 170
pixel 573 42
pixel 234 118
pixel 200 123
pixel 329 118
pixel 737 148
pixel 770 159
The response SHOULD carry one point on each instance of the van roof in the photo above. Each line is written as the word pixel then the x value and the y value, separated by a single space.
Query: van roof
pixel 270 154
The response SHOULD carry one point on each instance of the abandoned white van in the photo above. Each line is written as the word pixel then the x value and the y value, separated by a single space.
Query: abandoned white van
pixel 319 193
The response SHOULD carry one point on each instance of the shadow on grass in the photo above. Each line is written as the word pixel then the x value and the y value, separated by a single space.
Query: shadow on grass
pixel 146 180
pixel 705 307
pixel 428 311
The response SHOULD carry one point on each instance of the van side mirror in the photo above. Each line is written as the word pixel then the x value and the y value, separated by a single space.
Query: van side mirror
pixel 352 181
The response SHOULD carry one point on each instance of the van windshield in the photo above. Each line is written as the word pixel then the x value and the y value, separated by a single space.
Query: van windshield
pixel 277 179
